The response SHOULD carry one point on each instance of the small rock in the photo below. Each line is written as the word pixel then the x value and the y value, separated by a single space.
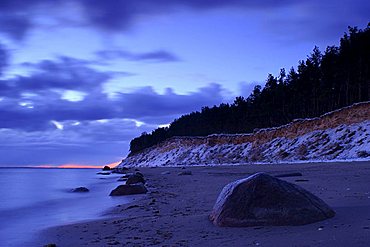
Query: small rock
pixel 165 173
pixel 139 174
pixel 106 168
pixel 134 179
pixel 185 173
pixel 103 173
pixel 50 245
pixel 132 189
pixel 119 170
pixel 80 189
pixel 132 206
pixel 256 243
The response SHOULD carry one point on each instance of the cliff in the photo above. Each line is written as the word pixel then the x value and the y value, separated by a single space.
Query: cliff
pixel 343 134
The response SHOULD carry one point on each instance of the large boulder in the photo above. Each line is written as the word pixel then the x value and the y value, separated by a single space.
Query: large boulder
pixel 132 189
pixel 262 199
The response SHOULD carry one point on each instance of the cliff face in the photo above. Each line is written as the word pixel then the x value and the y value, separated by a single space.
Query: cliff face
pixel 340 135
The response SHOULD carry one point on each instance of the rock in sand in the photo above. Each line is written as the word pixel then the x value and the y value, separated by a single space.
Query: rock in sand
pixel 135 178
pixel 262 199
pixel 132 189
pixel 185 173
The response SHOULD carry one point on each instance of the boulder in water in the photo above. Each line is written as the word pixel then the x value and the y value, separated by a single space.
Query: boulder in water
pixel 80 189
pixel 103 173
pixel 262 199
pixel 106 168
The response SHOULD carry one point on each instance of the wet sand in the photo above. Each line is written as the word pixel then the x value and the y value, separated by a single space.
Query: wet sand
pixel 175 211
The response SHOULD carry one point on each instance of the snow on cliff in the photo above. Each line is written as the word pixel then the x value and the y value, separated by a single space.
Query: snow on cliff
pixel 343 134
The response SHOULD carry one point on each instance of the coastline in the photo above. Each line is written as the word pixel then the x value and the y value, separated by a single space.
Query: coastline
pixel 175 211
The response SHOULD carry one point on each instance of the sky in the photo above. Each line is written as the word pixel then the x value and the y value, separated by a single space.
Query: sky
pixel 80 78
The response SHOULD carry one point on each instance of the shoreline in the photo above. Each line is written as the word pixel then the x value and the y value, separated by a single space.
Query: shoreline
pixel 175 211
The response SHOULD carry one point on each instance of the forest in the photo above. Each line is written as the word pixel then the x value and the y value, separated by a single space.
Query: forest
pixel 323 82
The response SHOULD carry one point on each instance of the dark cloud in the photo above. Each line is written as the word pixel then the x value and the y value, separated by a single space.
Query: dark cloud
pixel 16 26
pixel 153 56
pixel 65 73
pixel 17 17
pixel 121 14
pixel 31 102
pixel 4 59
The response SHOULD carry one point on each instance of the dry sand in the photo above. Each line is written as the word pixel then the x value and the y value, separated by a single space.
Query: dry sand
pixel 175 211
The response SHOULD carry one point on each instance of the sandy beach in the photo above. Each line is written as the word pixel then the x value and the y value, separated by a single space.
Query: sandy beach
pixel 175 211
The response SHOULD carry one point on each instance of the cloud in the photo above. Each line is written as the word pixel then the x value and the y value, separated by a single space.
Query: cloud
pixel 4 58
pixel 37 112
pixel 18 17
pixel 68 89
pixel 93 130
pixel 88 142
pixel 41 121
pixel 15 26
pixel 153 56
pixel 64 73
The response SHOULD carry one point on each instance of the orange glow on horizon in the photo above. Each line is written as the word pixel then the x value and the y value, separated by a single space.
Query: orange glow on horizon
pixel 111 165
pixel 68 166
pixel 114 164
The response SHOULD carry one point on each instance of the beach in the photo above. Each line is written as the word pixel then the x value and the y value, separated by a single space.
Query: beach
pixel 175 210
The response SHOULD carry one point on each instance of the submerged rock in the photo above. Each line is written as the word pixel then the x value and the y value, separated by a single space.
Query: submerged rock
pixel 132 189
pixel 103 173
pixel 262 199
pixel 80 189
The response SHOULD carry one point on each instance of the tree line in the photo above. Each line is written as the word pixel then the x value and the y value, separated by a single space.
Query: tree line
pixel 323 82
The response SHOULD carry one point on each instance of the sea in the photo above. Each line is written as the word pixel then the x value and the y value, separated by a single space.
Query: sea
pixel 33 199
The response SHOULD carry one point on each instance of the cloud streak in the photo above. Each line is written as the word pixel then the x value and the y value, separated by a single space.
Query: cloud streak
pixel 153 56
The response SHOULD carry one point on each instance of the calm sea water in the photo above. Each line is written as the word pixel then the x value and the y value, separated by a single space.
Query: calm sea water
pixel 34 199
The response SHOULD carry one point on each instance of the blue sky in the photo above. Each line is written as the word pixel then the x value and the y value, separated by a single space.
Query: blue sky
pixel 80 79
